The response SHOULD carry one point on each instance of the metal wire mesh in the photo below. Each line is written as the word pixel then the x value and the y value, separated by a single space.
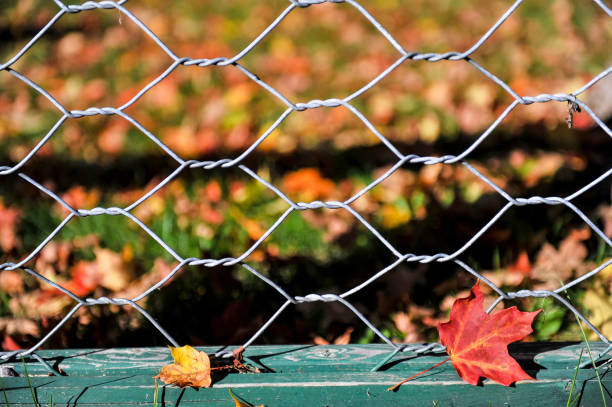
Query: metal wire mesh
pixel 294 108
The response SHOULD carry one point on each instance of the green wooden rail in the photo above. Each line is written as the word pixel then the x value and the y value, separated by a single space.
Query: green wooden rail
pixel 302 375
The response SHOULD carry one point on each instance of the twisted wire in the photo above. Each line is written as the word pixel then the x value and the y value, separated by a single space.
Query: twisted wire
pixel 295 108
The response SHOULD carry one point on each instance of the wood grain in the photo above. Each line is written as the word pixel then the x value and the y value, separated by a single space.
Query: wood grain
pixel 303 375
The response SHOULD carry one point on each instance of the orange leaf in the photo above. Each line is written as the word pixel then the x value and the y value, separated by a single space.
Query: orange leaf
pixel 190 368
pixel 11 282
pixel 308 184
pixel 9 218
pixel 213 191
pixel 84 279
pixel 477 342
pixel 10 344
pixel 522 264
pixel 240 403
pixel 345 338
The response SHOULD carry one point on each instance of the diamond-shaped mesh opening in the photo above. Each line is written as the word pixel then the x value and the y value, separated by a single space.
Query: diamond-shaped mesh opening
pixel 316 65
pixel 93 59
pixel 570 50
pixel 208 113
pixel 27 118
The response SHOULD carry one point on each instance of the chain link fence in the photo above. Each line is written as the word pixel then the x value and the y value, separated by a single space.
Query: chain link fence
pixel 294 108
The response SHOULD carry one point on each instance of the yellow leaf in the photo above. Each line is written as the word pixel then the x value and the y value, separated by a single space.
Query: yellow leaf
pixel 190 368
pixel 254 230
pixel 481 95
pixel 394 216
pixel 429 128
pixel 598 302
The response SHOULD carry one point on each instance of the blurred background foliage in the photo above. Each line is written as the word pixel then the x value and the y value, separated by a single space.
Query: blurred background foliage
pixel 101 58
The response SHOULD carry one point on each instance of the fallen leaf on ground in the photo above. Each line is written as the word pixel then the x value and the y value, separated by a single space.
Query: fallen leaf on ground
pixel 343 339
pixel 11 282
pixel 39 304
pixel 522 264
pixel 308 184
pixel 597 300
pixel 9 220
pixel 513 275
pixel 403 322
pixel 111 269
pixel 555 265
pixel 240 403
pixel 599 304
pixel 10 344
pixel 190 368
pixel 477 342
pixel 606 217
pixel 20 326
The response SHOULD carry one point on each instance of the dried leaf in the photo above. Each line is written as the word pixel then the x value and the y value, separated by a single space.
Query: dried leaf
pixel 11 282
pixel 84 278
pixel 504 278
pixel 213 191
pixel 110 269
pixel 429 128
pixel 552 265
pixel 542 166
pixel 319 340
pixel 403 323
pixel 9 344
pixel 160 270
pixel 112 138
pixel 240 403
pixel 522 264
pixel 190 368
pixel 308 184
pixel 20 326
pixel 254 230
pixel 78 197
pixel 606 216
pixel 597 300
pixel 39 304
pixel 394 216
pixel 343 339
pixel 600 307
pixel 9 218
pixel 477 342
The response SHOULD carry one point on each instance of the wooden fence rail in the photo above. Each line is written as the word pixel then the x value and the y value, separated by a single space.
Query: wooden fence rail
pixel 303 375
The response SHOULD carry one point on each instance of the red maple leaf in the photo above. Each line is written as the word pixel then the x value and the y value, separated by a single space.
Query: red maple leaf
pixel 477 342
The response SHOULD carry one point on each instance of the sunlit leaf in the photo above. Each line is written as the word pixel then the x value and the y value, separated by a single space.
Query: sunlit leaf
pixel 190 368
pixel 477 342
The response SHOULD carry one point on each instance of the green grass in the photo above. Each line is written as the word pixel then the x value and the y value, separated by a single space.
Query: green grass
pixel 27 375
pixel 155 394
pixel 603 397
pixel 4 393
pixel 571 402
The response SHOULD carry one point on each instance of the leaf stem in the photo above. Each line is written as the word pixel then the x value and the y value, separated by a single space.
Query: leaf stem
pixel 393 388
